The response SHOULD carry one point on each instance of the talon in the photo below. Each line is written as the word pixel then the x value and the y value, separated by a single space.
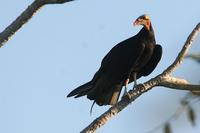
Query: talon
pixel 127 96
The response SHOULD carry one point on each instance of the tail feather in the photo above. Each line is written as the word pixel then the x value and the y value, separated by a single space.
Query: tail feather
pixel 107 97
pixel 82 94
pixel 115 96
pixel 103 92
pixel 81 90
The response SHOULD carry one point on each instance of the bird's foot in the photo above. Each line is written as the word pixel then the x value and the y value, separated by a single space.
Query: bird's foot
pixel 126 95
pixel 134 86
pixel 126 92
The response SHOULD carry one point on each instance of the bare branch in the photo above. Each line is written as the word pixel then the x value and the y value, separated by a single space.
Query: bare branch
pixel 186 103
pixel 20 21
pixel 24 18
pixel 181 55
pixel 164 79
pixel 179 84
pixel 114 110
pixel 194 56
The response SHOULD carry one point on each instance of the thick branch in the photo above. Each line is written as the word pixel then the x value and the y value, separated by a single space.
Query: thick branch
pixel 24 18
pixel 164 79
pixel 20 21
pixel 114 110
pixel 179 84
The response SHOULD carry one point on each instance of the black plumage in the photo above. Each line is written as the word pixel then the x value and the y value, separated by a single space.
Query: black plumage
pixel 125 62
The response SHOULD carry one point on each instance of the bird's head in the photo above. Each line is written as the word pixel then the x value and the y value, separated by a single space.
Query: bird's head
pixel 143 20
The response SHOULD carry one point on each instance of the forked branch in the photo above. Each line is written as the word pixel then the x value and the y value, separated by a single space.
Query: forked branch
pixel 164 79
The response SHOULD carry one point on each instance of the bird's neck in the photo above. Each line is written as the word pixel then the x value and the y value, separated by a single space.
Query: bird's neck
pixel 147 32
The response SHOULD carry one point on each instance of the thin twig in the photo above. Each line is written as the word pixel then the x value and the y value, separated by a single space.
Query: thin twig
pixel 177 113
pixel 195 56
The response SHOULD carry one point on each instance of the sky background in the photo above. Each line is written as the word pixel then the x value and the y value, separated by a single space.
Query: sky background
pixel 62 46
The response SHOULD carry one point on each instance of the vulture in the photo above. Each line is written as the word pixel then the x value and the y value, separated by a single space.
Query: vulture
pixel 126 62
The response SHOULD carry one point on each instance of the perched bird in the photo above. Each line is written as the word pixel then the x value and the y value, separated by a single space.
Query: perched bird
pixel 125 62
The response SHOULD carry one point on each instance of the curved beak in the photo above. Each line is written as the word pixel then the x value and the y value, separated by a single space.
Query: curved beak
pixel 135 23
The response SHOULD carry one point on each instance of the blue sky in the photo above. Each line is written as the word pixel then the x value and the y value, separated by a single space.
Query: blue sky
pixel 62 47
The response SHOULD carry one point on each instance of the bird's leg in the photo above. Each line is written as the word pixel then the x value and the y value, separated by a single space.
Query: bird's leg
pixel 135 79
pixel 126 94
pixel 125 88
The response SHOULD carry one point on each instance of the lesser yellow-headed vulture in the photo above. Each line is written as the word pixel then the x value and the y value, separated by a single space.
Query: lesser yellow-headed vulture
pixel 127 61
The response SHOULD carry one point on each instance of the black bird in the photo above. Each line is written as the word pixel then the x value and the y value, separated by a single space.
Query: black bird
pixel 127 61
